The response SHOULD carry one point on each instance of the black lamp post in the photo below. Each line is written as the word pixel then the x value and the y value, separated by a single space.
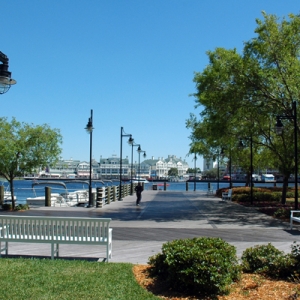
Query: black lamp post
pixel 139 150
pixel 195 166
pixel 5 76
pixel 279 129
pixel 241 145
pixel 120 185
pixel 89 128
pixel 131 142
pixel 228 166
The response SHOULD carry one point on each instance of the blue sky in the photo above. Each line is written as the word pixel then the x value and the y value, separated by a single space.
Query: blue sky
pixel 132 62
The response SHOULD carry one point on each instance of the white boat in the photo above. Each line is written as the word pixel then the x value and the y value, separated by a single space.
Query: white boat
pixel 7 192
pixel 139 179
pixel 56 198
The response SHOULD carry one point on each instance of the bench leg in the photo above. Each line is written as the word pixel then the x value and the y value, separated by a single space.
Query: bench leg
pixel 4 249
pixel 54 250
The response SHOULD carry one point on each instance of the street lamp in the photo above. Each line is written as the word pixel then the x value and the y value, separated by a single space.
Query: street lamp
pixel 139 150
pixel 279 129
pixel 131 142
pixel 89 128
pixel 241 145
pixel 195 159
pixel 5 76
pixel 120 185
pixel 228 165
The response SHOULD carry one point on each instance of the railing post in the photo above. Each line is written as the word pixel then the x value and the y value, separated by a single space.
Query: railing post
pixel 1 194
pixel 47 196
pixel 165 186
pixel 99 201
pixel 108 195
pixel 114 193
pixel 186 186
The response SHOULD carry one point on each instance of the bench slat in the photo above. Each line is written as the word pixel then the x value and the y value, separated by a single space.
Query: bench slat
pixel 56 230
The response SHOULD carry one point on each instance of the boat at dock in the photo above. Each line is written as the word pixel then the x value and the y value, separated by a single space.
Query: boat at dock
pixel 65 198
pixel 139 179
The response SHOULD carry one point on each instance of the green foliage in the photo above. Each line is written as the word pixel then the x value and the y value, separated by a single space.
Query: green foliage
pixel 259 195
pixel 282 213
pixel 173 172
pixel 8 206
pixel 25 147
pixel 240 95
pixel 202 264
pixel 267 260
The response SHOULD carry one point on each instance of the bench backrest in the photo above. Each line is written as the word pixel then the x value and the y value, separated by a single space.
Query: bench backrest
pixel 51 227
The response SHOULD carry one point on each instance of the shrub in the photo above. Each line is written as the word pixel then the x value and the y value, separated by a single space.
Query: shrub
pixel 201 264
pixel 22 207
pixel 6 206
pixel 267 260
pixel 283 213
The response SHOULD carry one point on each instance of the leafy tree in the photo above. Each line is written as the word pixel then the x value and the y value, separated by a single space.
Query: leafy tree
pixel 241 94
pixel 173 172
pixel 192 170
pixel 25 147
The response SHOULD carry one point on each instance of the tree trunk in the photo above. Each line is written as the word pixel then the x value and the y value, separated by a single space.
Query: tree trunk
pixel 248 179
pixel 285 185
pixel 11 183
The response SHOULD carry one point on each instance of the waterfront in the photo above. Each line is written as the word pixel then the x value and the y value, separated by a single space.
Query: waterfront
pixel 24 189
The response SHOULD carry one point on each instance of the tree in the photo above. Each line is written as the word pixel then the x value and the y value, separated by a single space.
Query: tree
pixel 192 170
pixel 25 147
pixel 173 172
pixel 241 94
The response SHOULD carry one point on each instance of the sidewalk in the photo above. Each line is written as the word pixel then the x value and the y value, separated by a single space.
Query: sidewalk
pixel 140 231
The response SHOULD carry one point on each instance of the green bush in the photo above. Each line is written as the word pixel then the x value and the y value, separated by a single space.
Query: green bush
pixel 22 207
pixel 6 206
pixel 201 264
pixel 282 212
pixel 267 260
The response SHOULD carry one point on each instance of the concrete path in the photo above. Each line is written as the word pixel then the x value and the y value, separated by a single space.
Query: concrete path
pixel 140 231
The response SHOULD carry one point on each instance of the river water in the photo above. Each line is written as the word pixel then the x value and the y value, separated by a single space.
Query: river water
pixel 24 188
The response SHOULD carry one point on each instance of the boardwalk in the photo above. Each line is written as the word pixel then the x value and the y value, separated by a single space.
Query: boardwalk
pixel 140 231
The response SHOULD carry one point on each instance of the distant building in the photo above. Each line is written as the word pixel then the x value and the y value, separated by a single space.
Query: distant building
pixel 109 168
pixel 160 167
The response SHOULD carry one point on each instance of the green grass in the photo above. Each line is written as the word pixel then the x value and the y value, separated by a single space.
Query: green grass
pixel 68 279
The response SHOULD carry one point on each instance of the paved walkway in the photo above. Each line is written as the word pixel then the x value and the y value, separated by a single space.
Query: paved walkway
pixel 140 231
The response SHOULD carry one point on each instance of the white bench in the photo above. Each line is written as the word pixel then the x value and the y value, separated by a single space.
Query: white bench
pixel 293 218
pixel 55 231
pixel 227 196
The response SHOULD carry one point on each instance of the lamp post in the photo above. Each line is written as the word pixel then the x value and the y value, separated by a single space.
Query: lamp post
pixel 195 167
pixel 5 76
pixel 131 142
pixel 89 128
pixel 120 185
pixel 228 165
pixel 139 150
pixel 279 129
pixel 241 145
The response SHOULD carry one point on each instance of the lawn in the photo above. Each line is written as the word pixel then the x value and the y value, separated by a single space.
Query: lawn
pixel 68 279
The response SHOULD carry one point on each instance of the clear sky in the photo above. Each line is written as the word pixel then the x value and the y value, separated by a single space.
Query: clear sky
pixel 132 62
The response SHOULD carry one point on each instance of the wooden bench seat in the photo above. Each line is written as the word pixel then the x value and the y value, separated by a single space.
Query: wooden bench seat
pixel 55 231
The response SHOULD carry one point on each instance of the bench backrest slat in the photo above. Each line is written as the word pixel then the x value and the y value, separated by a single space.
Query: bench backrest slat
pixel 46 227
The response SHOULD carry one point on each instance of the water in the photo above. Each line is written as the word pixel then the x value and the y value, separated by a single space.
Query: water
pixel 23 188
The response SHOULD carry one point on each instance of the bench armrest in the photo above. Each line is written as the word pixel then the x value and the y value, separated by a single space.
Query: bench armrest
pixel 294 211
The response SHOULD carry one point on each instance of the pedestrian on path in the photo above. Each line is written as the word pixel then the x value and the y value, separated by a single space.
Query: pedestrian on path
pixel 138 189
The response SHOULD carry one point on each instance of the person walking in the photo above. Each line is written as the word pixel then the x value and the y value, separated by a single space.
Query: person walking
pixel 138 189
